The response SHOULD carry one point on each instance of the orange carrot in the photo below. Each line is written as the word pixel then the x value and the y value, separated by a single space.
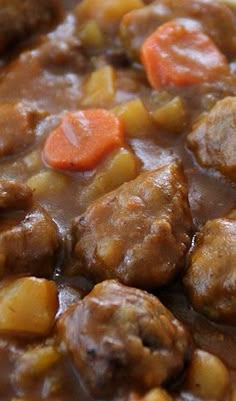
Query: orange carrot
pixel 82 139
pixel 179 55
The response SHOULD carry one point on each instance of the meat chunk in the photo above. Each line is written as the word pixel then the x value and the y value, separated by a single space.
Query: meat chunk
pixel 138 233
pixel 17 127
pixel 211 277
pixel 121 337
pixel 19 18
pixel 213 17
pixel 28 242
pixel 14 195
pixel 213 139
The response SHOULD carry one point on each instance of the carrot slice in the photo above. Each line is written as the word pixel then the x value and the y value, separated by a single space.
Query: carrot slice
pixel 82 139
pixel 179 55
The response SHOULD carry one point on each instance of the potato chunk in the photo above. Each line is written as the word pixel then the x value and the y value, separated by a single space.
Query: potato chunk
pixel 171 116
pixel 106 12
pixel 207 378
pixel 137 120
pixel 120 168
pixel 47 182
pixel 27 306
pixel 91 35
pixel 35 362
pixel 100 87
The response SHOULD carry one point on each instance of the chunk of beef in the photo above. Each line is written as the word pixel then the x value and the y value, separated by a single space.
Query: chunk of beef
pixel 28 242
pixel 213 17
pixel 139 233
pixel 17 127
pixel 19 18
pixel 211 276
pixel 14 195
pixel 122 337
pixel 213 139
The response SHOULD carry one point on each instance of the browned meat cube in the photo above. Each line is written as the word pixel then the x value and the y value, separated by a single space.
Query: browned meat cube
pixel 17 127
pixel 213 139
pixel 210 278
pixel 213 17
pixel 29 239
pixel 14 195
pixel 19 18
pixel 139 233
pixel 123 337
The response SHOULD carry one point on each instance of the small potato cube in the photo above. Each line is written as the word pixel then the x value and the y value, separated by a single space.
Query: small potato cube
pixel 121 167
pixel 232 214
pixel 33 161
pixel 157 394
pixel 99 88
pixel 27 306
pixel 207 378
pixel 136 118
pixel 106 12
pixel 171 117
pixel 91 35
pixel 47 181
pixel 35 362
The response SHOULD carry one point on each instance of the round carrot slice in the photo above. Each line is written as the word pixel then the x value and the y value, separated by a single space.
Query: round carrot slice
pixel 179 55
pixel 82 139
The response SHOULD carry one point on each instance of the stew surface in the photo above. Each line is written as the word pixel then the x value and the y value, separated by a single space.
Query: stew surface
pixel 118 200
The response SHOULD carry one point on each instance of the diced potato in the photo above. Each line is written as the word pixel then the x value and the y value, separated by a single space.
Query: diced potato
pixel 231 215
pixel 229 2
pixel 33 161
pixel 47 181
pixel 27 306
pixel 136 118
pixel 35 362
pixel 207 378
pixel 91 35
pixel 100 88
pixel 120 168
pixel 106 12
pixel 158 394
pixel 171 117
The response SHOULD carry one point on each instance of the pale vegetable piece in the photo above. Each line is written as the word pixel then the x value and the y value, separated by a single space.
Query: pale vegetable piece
pixel 33 161
pixel 100 87
pixel 157 394
pixel 121 167
pixel 91 35
pixel 171 116
pixel 28 306
pixel 106 12
pixel 35 362
pixel 229 2
pixel 47 182
pixel 232 214
pixel 207 377
pixel 136 118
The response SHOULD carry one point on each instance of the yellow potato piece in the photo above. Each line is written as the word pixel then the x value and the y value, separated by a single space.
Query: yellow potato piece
pixel 35 362
pixel 106 12
pixel 171 116
pixel 28 306
pixel 100 87
pixel 136 118
pixel 157 394
pixel 91 35
pixel 47 182
pixel 121 167
pixel 207 377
